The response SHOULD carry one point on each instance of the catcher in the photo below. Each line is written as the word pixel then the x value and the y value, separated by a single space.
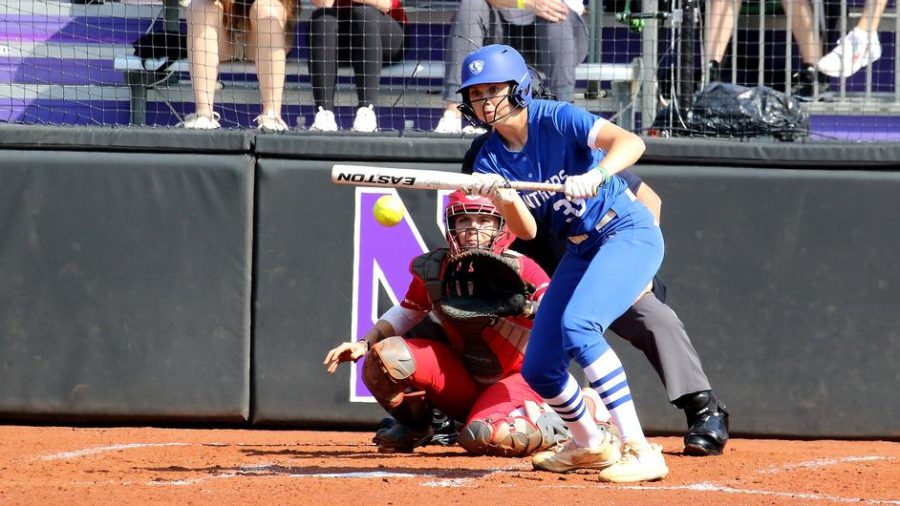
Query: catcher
pixel 484 296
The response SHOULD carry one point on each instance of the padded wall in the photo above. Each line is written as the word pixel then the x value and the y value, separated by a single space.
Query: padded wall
pixel 124 286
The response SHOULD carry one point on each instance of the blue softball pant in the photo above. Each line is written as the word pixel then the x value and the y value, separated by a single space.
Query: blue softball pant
pixel 596 281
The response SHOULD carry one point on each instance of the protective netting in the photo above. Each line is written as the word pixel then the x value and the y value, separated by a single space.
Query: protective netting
pixel 389 65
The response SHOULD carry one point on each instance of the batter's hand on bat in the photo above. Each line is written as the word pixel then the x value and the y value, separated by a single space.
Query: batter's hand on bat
pixel 504 196
pixel 345 352
pixel 485 184
pixel 584 186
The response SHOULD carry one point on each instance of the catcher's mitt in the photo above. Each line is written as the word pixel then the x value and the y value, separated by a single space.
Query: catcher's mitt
pixel 478 283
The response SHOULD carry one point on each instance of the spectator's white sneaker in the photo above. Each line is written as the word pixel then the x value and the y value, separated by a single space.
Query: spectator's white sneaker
pixel 195 121
pixel 639 462
pixel 324 122
pixel 270 122
pixel 853 52
pixel 473 130
pixel 365 120
pixel 450 123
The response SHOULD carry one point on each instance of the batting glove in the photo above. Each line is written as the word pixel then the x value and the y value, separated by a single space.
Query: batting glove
pixel 485 184
pixel 587 185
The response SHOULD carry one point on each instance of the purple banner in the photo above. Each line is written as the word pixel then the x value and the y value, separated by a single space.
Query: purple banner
pixel 380 262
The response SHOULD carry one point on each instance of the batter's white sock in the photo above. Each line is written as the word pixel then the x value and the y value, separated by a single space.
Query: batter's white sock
pixel 570 406
pixel 608 377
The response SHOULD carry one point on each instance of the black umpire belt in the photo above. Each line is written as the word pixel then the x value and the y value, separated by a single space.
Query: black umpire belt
pixel 580 238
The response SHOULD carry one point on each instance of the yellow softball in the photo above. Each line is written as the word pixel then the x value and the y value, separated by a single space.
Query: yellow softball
pixel 388 210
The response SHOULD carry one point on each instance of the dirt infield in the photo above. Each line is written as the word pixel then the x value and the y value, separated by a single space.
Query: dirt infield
pixel 59 465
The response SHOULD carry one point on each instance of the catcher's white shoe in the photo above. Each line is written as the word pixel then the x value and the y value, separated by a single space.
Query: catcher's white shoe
pixel 569 457
pixel 640 462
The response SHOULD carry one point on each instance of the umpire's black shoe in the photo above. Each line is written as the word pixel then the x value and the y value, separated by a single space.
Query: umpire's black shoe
pixel 708 422
pixel 399 438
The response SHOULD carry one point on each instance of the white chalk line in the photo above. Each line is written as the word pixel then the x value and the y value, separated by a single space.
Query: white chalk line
pixel 433 481
pixel 102 449
pixel 712 487
pixel 817 463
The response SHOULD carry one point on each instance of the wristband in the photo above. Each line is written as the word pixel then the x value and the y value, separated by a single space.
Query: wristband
pixel 605 174
pixel 366 341
pixel 520 4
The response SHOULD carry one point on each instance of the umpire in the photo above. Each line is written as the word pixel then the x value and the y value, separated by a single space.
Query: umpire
pixel 652 327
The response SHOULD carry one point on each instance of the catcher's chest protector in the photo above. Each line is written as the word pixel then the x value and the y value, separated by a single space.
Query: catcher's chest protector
pixel 479 356
pixel 427 267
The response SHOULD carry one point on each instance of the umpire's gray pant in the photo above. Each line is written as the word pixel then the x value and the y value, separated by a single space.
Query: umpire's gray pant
pixel 560 47
pixel 652 327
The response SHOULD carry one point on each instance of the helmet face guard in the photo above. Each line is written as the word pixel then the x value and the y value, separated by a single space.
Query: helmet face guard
pixel 496 63
pixel 461 203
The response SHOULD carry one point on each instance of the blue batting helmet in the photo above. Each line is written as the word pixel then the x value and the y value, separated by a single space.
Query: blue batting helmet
pixel 498 63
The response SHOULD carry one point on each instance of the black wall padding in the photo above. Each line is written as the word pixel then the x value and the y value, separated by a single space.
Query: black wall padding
pixel 368 148
pixel 773 154
pixel 125 277
pixel 788 283
pixel 124 286
pixel 156 140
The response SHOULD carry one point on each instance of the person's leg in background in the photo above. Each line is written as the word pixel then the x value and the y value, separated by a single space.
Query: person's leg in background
pixel 323 63
pixel 720 22
pixel 208 44
pixel 268 49
pixel 860 47
pixel 375 38
pixel 560 48
pixel 809 43
pixel 473 25
pixel 653 327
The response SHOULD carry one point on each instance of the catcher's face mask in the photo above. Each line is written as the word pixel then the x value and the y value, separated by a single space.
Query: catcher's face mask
pixel 472 222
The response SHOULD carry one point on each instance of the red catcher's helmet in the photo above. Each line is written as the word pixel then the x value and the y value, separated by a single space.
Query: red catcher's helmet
pixel 460 203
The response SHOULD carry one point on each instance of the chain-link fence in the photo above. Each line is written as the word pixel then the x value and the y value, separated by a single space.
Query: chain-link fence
pixel 659 68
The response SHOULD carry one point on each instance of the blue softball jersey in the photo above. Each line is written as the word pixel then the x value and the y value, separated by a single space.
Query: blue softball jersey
pixel 557 148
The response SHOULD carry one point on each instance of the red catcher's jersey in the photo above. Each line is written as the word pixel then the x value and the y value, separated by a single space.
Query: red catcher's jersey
pixel 491 351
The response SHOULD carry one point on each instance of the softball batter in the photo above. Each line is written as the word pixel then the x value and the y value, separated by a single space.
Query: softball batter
pixel 614 249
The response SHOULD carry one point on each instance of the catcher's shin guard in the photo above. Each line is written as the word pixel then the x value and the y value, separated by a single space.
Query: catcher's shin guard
pixel 513 436
pixel 386 372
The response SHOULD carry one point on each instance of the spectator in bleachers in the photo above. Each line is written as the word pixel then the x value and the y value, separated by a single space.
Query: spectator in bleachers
pixel 367 33
pixel 858 48
pixel 225 30
pixel 720 25
pixel 560 39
